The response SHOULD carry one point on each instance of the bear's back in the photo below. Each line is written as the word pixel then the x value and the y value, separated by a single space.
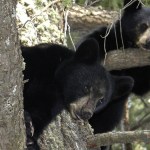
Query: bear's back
pixel 42 60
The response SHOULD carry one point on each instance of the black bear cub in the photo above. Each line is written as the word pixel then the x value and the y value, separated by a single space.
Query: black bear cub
pixel 132 30
pixel 59 78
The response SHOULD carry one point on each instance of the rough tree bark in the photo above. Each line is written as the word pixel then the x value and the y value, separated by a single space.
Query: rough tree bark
pixel 12 129
pixel 120 59
pixel 65 133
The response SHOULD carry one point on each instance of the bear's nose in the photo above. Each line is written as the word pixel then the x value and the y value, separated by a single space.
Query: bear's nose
pixel 86 115
pixel 147 45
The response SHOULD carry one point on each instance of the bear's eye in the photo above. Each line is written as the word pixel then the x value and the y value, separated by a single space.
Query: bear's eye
pixel 143 27
pixel 86 89
pixel 101 100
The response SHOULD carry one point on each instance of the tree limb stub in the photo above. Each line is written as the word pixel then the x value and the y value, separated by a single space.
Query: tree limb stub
pixel 129 58
pixel 98 140
pixel 65 133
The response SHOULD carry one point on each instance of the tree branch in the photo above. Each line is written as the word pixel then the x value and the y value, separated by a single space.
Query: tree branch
pixel 129 58
pixel 98 140
pixel 89 17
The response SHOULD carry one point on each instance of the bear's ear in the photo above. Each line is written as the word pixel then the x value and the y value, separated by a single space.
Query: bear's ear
pixel 88 51
pixel 132 5
pixel 122 86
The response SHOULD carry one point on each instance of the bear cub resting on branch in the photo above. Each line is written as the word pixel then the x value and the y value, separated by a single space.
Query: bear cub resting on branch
pixel 60 78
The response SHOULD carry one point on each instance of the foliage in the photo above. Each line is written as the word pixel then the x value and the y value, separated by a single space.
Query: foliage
pixel 111 4
pixel 67 3
pixel 40 21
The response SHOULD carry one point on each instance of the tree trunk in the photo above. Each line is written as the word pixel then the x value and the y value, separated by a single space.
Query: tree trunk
pixel 12 130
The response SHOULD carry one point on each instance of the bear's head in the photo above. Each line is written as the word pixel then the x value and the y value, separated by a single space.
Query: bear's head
pixel 84 84
pixel 135 23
